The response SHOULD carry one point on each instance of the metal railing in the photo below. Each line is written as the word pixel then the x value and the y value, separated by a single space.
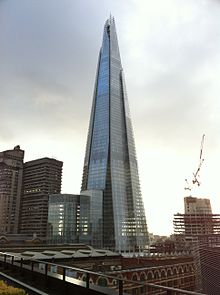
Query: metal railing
pixel 88 279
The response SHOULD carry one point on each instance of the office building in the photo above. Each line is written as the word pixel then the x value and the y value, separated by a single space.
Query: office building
pixel 68 219
pixel 42 177
pixel 110 164
pixel 11 173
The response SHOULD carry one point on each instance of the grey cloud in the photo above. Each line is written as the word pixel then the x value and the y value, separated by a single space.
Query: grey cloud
pixel 47 73
pixel 175 109
pixel 173 102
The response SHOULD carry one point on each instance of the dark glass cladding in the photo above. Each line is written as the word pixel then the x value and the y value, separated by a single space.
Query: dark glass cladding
pixel 110 160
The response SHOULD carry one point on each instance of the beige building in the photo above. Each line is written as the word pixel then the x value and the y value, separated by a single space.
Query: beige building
pixel 197 206
pixel 11 172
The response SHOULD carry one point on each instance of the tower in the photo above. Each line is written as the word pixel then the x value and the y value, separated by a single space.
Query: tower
pixel 11 175
pixel 110 161
pixel 42 177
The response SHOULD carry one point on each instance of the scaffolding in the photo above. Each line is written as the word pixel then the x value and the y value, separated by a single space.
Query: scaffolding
pixel 195 224
pixel 197 231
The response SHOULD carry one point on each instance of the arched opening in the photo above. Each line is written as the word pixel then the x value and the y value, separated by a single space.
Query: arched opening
pixel 150 276
pixel 156 275
pixel 102 282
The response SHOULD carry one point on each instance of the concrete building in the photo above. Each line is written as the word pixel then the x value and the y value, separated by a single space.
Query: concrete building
pixel 42 177
pixel 68 219
pixel 198 221
pixel 11 173
pixel 194 205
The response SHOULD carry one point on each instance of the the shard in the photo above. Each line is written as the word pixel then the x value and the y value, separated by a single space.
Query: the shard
pixel 110 162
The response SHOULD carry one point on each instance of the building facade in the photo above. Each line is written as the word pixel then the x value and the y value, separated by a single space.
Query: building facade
pixel 194 205
pixel 68 219
pixel 197 229
pixel 177 272
pixel 11 173
pixel 210 270
pixel 197 222
pixel 110 161
pixel 41 178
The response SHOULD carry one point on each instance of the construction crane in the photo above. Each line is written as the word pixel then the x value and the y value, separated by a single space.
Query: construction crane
pixel 195 179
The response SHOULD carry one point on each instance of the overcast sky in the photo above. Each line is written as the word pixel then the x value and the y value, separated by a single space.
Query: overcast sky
pixel 171 57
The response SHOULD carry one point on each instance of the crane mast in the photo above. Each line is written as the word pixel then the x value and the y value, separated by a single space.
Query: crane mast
pixel 195 180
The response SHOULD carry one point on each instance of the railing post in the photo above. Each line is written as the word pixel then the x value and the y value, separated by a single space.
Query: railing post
pixel 120 287
pixel 21 263
pixel 64 273
pixel 46 269
pixel 12 260
pixel 5 257
pixel 32 270
pixel 87 280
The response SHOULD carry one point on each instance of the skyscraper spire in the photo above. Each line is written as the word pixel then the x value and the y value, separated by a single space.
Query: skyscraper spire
pixel 110 162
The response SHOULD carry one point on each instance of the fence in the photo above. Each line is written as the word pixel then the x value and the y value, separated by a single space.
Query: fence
pixel 101 282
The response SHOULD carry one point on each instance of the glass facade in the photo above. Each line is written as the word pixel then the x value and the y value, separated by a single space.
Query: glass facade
pixel 96 217
pixel 68 218
pixel 110 161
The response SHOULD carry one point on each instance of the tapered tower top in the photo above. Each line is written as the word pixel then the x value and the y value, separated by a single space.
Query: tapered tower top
pixel 110 163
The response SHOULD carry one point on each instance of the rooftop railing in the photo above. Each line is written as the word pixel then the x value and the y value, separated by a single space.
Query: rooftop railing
pixel 99 281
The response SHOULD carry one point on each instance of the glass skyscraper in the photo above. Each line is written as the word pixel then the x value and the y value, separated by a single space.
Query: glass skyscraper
pixel 110 161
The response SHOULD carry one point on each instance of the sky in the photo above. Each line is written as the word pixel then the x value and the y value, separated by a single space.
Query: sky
pixel 170 53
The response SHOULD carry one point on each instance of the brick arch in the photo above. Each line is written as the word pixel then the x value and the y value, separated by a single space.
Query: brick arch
pixel 3 240
pixel 102 281
pixel 120 276
pixel 163 273
pixel 142 276
pixel 150 275
pixel 180 269
pixel 175 271
pixel 169 272
pixel 83 278
pixel 156 274
pixel 135 276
